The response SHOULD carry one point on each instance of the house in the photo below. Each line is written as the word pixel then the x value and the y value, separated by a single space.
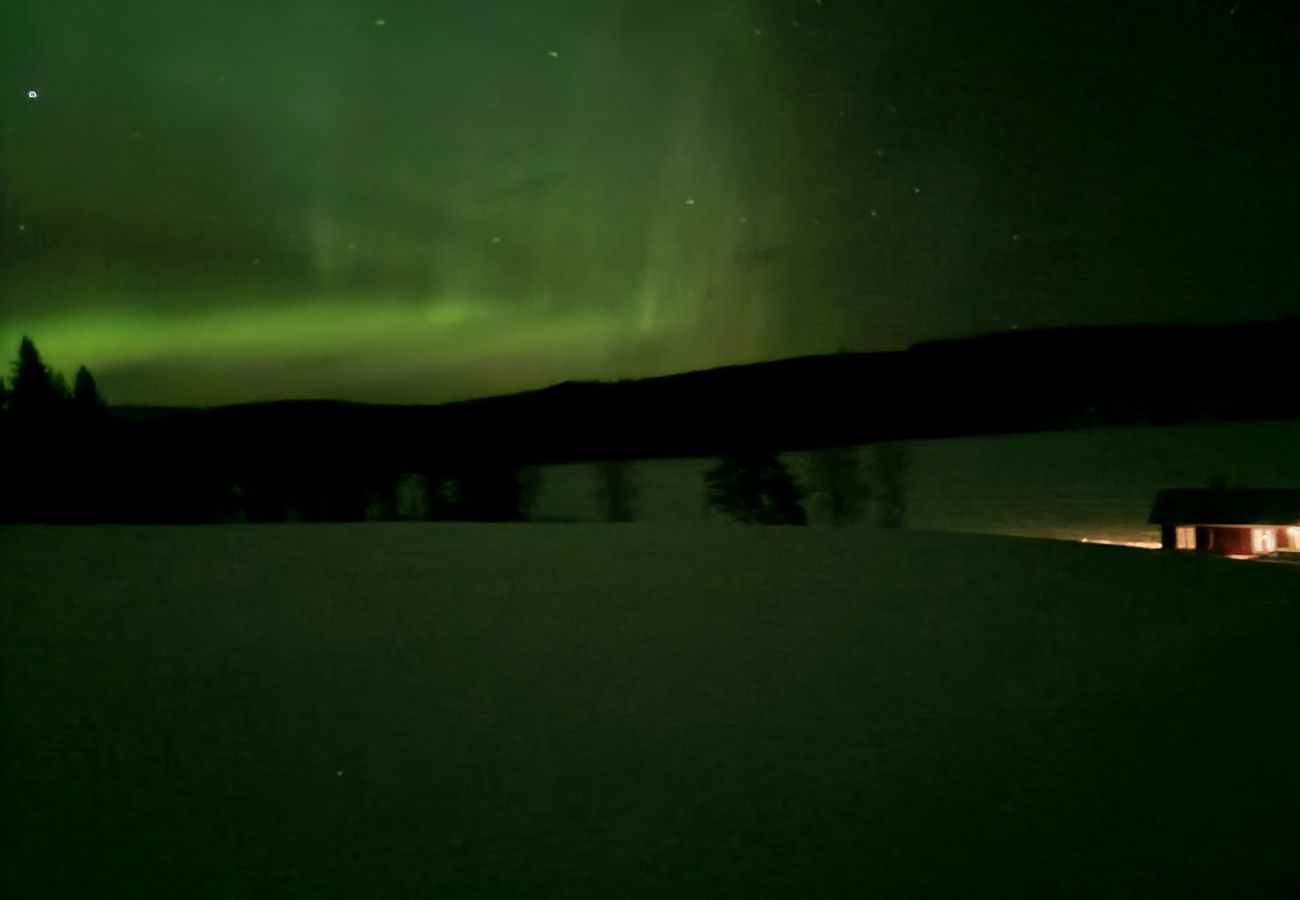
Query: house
pixel 1239 522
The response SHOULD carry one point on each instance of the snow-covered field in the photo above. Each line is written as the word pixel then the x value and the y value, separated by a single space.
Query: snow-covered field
pixel 1097 483
pixel 397 710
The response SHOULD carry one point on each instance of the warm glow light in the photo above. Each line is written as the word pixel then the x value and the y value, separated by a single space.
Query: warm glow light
pixel 1141 545
pixel 1263 540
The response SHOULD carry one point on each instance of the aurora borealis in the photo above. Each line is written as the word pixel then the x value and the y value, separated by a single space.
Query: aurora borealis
pixel 410 201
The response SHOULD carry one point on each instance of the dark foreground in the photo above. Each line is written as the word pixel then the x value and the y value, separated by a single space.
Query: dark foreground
pixel 382 711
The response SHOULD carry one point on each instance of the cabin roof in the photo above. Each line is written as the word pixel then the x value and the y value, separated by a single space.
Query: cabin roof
pixel 1226 506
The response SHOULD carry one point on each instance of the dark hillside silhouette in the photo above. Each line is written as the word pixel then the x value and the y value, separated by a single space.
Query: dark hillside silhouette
pixel 327 460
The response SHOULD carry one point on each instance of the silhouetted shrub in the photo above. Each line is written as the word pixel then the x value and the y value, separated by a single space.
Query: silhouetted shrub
pixel 755 487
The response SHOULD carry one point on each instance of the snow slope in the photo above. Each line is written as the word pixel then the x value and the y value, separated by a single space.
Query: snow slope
pixel 417 710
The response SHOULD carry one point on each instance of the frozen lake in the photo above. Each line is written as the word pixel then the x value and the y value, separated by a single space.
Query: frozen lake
pixel 423 710
pixel 1097 483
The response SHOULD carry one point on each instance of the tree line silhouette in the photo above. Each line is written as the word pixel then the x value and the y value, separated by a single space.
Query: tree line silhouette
pixel 40 396
pixel 50 433
pixel 72 461
pixel 756 487
pixel 68 459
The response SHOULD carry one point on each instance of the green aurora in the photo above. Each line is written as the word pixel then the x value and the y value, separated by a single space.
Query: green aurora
pixel 416 202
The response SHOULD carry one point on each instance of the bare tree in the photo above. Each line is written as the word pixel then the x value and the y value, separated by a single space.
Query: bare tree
pixel 839 484
pixel 889 468
pixel 617 494
pixel 754 486
pixel 411 498
pixel 531 480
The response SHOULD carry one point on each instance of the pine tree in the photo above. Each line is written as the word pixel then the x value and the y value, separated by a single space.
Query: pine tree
pixel 35 390
pixel 61 389
pixel 38 489
pixel 86 398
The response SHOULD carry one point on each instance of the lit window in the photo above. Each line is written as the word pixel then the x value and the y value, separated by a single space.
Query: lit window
pixel 1185 537
pixel 1293 538
pixel 1263 540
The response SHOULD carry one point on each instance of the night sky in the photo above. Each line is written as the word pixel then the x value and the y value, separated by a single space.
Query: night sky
pixel 224 200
